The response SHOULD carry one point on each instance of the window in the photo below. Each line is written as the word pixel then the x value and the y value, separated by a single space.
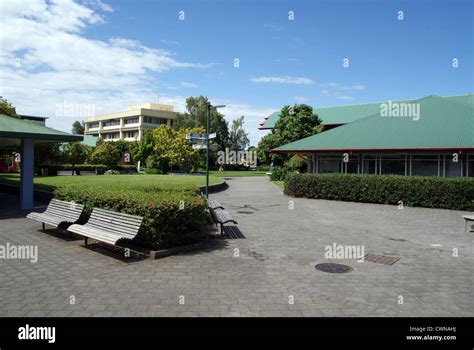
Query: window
pixel 453 169
pixel 111 136
pixel 131 134
pixel 152 120
pixel 424 165
pixel 111 122
pixel 370 164
pixel 133 120
pixel 331 164
pixel 93 125
pixel 470 165
pixel 393 164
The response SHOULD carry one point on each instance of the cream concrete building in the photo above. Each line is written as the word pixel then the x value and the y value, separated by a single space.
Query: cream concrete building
pixel 130 124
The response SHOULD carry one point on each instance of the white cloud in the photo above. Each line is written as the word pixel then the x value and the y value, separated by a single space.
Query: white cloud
pixel 340 91
pixel 283 80
pixel 302 99
pixel 253 116
pixel 45 60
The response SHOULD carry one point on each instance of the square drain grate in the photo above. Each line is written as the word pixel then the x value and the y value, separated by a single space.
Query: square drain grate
pixel 381 259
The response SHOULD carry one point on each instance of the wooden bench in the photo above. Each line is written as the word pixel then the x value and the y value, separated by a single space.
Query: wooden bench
pixel 222 217
pixel 468 218
pixel 58 213
pixel 108 226
pixel 213 204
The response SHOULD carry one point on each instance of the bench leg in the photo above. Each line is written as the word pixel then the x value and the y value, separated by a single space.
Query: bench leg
pixel 85 240
pixel 43 225
pixel 222 230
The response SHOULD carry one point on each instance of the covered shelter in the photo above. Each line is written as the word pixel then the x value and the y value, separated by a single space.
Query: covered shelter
pixel 26 134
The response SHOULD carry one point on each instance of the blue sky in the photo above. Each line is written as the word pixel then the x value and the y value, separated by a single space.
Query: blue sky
pixel 115 53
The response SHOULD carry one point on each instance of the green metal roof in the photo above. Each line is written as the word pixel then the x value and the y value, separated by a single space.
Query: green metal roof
pixel 443 124
pixel 349 113
pixel 90 140
pixel 14 128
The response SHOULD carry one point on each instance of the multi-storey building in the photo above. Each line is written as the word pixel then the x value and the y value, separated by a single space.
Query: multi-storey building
pixel 130 124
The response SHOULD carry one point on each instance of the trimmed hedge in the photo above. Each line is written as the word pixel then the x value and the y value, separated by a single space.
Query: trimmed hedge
pixel 171 218
pixel 415 191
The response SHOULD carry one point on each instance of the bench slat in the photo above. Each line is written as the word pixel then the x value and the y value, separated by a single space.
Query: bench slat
pixel 58 211
pixel 109 226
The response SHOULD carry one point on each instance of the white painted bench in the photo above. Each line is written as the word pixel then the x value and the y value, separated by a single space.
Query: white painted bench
pixel 222 217
pixel 467 219
pixel 108 226
pixel 58 212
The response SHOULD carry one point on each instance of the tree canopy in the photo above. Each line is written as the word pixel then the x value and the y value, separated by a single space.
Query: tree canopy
pixel 295 123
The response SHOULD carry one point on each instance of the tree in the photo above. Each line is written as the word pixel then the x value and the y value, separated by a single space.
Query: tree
pixel 196 115
pixel 74 153
pixel 295 123
pixel 238 138
pixel 143 149
pixel 46 154
pixel 107 153
pixel 171 145
pixel 78 128
pixel 7 108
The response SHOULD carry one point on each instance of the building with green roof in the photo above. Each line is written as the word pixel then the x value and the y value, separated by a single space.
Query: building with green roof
pixel 431 136
pixel 27 133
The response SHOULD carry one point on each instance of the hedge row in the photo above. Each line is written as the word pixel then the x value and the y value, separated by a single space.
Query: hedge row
pixel 171 218
pixel 415 191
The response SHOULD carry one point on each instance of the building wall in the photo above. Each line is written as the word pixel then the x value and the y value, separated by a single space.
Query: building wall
pixel 445 164
pixel 129 125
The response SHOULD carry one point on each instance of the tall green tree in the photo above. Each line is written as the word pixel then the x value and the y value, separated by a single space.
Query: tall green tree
pixel 78 128
pixel 295 123
pixel 7 108
pixel 106 152
pixel 74 153
pixel 238 138
pixel 195 117
pixel 171 145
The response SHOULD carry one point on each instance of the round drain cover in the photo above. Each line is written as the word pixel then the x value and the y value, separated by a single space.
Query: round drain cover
pixel 333 268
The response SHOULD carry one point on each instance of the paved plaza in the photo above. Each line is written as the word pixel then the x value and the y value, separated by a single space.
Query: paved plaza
pixel 268 272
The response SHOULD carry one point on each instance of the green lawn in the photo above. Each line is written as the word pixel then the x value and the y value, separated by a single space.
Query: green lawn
pixel 158 182
pixel 279 183
pixel 236 173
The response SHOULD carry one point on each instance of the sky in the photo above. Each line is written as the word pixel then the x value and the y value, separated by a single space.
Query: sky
pixel 65 59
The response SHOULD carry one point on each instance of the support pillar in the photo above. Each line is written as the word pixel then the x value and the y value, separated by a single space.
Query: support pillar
pixel 27 174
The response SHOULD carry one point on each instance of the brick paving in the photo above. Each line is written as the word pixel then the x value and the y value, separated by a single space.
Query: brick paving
pixel 259 275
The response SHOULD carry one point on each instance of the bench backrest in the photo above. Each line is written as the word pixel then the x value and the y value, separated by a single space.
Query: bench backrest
pixel 70 211
pixel 124 224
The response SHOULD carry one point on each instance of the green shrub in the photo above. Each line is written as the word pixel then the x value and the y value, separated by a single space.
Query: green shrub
pixel 279 174
pixel 171 218
pixel 112 172
pixel 430 192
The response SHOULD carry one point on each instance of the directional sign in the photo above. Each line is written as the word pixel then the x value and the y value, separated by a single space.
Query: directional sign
pixel 197 140
pixel 199 146
pixel 213 135
pixel 196 136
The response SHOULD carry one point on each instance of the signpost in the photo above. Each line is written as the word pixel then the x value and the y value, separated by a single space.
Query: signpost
pixel 201 141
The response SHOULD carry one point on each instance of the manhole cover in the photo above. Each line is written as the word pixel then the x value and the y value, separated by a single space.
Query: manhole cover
pixel 333 268
pixel 381 259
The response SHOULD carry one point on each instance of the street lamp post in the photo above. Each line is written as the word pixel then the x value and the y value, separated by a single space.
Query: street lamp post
pixel 209 107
